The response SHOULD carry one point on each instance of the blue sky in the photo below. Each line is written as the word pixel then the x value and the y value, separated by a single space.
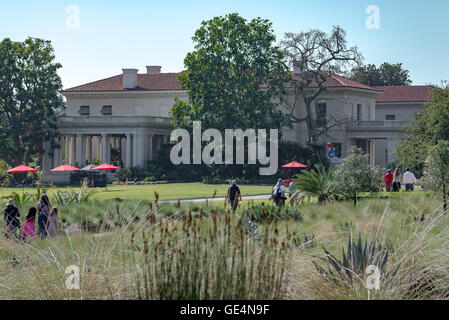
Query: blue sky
pixel 116 34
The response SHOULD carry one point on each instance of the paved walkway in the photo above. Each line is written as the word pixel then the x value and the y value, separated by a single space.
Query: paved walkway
pixel 250 197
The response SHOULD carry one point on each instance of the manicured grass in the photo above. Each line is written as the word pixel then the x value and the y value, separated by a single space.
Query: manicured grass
pixel 170 191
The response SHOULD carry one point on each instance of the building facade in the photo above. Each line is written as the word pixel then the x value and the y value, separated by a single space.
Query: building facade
pixel 124 119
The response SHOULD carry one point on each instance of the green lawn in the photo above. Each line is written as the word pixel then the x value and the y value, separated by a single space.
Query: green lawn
pixel 170 191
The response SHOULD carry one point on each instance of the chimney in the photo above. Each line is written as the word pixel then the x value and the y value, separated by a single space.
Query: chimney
pixel 130 78
pixel 154 69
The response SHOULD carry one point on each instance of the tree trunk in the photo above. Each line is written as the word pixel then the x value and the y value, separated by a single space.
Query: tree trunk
pixel 355 197
pixel 309 120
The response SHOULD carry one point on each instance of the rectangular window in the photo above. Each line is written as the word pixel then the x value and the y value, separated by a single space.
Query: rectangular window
pixel 390 117
pixel 359 112
pixel 84 110
pixel 321 113
pixel 106 110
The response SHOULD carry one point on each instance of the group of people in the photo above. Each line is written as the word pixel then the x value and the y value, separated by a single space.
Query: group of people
pixel 393 181
pixel 278 196
pixel 47 220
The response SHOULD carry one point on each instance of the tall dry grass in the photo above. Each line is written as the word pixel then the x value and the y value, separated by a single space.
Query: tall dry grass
pixel 150 256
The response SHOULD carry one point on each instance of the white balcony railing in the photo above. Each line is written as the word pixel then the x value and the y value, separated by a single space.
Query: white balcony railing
pixel 379 124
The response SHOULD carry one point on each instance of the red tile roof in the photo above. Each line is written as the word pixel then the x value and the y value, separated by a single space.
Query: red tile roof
pixel 404 94
pixel 169 81
pixel 335 81
pixel 145 82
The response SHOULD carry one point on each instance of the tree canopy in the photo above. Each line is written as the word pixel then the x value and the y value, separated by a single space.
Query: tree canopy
pixel 386 75
pixel 29 99
pixel 235 76
pixel 430 126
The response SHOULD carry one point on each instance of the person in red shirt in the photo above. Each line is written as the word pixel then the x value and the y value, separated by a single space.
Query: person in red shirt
pixel 388 180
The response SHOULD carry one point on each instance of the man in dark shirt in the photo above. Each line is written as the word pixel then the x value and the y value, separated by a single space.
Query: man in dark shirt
pixel 12 222
pixel 234 195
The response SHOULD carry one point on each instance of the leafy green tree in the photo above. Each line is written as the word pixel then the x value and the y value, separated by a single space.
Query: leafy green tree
pixel 437 165
pixel 234 78
pixel 355 174
pixel 29 99
pixel 386 75
pixel 430 126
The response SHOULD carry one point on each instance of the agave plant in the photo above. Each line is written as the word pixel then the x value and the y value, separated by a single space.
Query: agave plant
pixel 317 182
pixel 355 260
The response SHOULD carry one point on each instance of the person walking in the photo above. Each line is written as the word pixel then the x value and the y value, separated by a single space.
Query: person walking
pixel 12 222
pixel 234 195
pixel 409 180
pixel 43 210
pixel 52 223
pixel 397 180
pixel 388 180
pixel 29 228
pixel 279 193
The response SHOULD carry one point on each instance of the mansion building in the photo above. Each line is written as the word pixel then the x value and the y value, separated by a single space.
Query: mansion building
pixel 125 119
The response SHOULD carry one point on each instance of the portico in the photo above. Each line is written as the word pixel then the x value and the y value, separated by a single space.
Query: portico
pixel 129 142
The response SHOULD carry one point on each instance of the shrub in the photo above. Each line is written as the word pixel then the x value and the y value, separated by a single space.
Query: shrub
pixel 437 165
pixel 270 213
pixel 317 182
pixel 355 174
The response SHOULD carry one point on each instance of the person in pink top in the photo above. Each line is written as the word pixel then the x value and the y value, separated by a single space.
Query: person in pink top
pixel 29 229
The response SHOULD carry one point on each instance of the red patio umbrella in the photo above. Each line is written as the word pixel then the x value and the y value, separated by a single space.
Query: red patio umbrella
pixel 106 166
pixel 64 167
pixel 294 164
pixel 21 169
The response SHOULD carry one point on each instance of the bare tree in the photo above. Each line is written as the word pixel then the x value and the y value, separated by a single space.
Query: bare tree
pixel 315 56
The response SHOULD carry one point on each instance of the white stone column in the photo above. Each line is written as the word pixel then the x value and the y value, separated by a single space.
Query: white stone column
pixel 372 151
pixel 99 147
pixel 104 148
pixel 80 150
pixel 57 153
pixel 135 150
pixel 123 150
pixel 390 147
pixel 72 150
pixel 67 149
pixel 159 143
pixel 150 146
pixel 89 149
pixel 128 162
